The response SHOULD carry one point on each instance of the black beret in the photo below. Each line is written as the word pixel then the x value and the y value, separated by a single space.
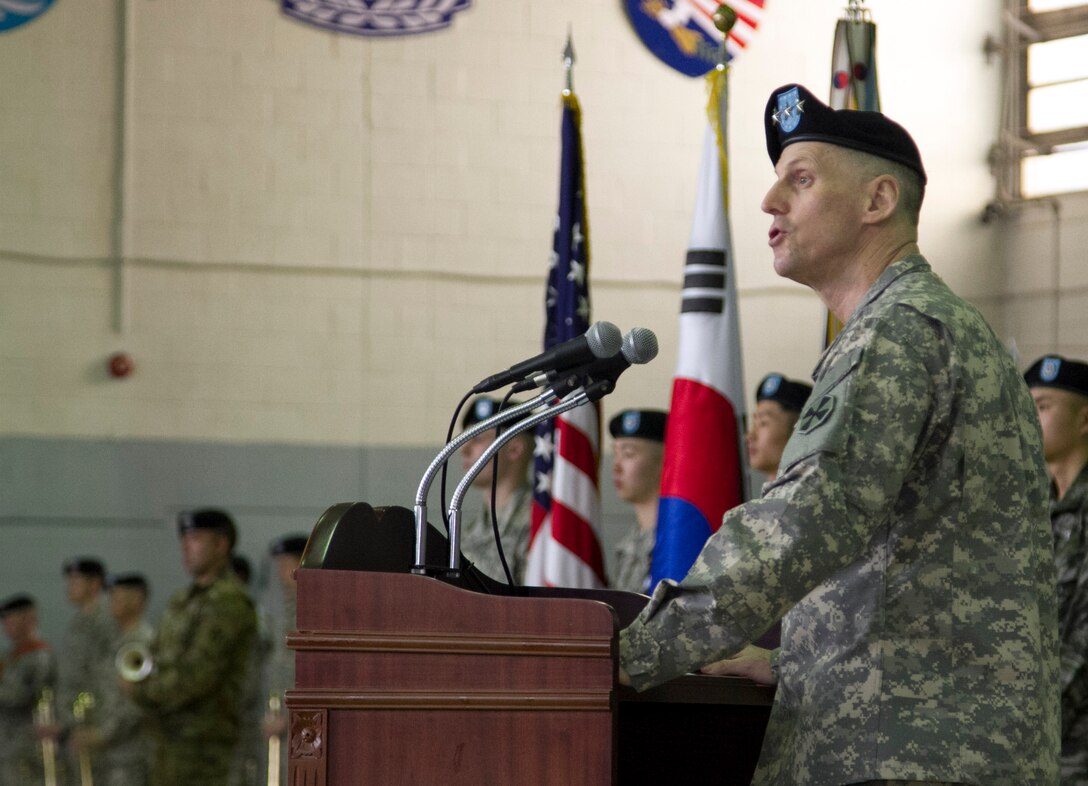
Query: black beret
pixel 288 544
pixel 483 408
pixel 16 603
pixel 644 423
pixel 1054 371
pixel 129 579
pixel 85 566
pixel 794 114
pixel 789 394
pixel 208 518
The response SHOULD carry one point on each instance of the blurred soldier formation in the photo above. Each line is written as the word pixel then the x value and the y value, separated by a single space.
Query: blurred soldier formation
pixel 197 699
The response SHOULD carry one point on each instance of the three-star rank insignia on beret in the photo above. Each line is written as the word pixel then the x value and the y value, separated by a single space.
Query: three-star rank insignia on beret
pixel 790 108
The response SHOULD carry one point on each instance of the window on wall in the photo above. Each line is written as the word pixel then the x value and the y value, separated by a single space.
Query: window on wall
pixel 1053 98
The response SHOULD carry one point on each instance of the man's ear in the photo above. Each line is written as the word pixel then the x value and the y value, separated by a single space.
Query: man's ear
pixel 1082 421
pixel 883 198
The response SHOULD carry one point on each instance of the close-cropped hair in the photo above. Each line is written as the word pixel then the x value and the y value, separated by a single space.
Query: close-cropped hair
pixel 910 184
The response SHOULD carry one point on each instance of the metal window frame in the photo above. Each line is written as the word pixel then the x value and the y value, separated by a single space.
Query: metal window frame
pixel 1023 28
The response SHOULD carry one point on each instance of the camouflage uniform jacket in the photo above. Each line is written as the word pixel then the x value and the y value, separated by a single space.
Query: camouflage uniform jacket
pixel 23 676
pixel 1069 520
pixel 633 554
pixel 478 539
pixel 201 653
pixel 907 537
pixel 85 656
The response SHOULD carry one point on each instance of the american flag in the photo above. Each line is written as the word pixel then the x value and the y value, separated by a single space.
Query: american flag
pixel 564 547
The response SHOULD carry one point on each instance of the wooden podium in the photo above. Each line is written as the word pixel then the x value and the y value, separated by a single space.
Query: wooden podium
pixel 408 679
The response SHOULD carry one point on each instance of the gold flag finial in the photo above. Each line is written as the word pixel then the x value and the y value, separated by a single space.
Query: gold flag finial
pixel 724 19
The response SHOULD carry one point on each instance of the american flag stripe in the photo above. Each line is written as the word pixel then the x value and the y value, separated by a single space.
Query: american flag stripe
pixel 577 468
pixel 564 548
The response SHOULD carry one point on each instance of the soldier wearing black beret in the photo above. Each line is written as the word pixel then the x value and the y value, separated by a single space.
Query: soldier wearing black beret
pixel 905 537
pixel 26 669
pixel 201 651
pixel 85 655
pixel 638 443
pixel 513 496
pixel 286 552
pixel 114 734
pixel 208 519
pixel 779 402
pixel 1059 386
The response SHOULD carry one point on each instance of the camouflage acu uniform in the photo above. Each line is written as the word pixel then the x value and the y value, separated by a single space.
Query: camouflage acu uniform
pixel 193 696
pixel 23 676
pixel 633 554
pixel 84 659
pixel 478 539
pixel 281 667
pixel 125 748
pixel 1069 520
pixel 907 539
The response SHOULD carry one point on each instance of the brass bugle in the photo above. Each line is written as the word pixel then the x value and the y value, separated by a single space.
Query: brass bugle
pixel 134 662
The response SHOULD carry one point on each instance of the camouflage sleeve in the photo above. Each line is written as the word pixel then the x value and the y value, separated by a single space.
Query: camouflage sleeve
pixel 24 679
pixel 197 670
pixel 843 469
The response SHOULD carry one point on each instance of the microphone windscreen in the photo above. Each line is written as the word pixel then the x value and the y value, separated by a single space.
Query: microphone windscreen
pixel 639 345
pixel 604 339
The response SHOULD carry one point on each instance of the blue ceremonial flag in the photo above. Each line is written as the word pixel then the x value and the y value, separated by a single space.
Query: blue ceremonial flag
pixel 705 464
pixel 564 547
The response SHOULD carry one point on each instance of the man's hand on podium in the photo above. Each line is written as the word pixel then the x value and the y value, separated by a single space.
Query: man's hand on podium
pixel 751 662
pixel 623 678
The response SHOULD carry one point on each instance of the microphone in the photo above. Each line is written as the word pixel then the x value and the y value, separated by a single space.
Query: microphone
pixel 575 398
pixel 639 346
pixel 448 450
pixel 602 340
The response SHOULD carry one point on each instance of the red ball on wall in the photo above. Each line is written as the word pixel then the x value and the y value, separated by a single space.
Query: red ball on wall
pixel 120 365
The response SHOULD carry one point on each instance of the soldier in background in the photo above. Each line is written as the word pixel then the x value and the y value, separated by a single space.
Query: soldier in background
pixel 249 760
pixel 286 554
pixel 779 402
pixel 513 498
pixel 1060 389
pixel 26 670
pixel 200 653
pixel 116 739
pixel 638 447
pixel 85 656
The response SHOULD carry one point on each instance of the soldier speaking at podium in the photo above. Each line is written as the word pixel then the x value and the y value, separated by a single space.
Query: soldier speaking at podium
pixel 199 657
pixel 906 537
